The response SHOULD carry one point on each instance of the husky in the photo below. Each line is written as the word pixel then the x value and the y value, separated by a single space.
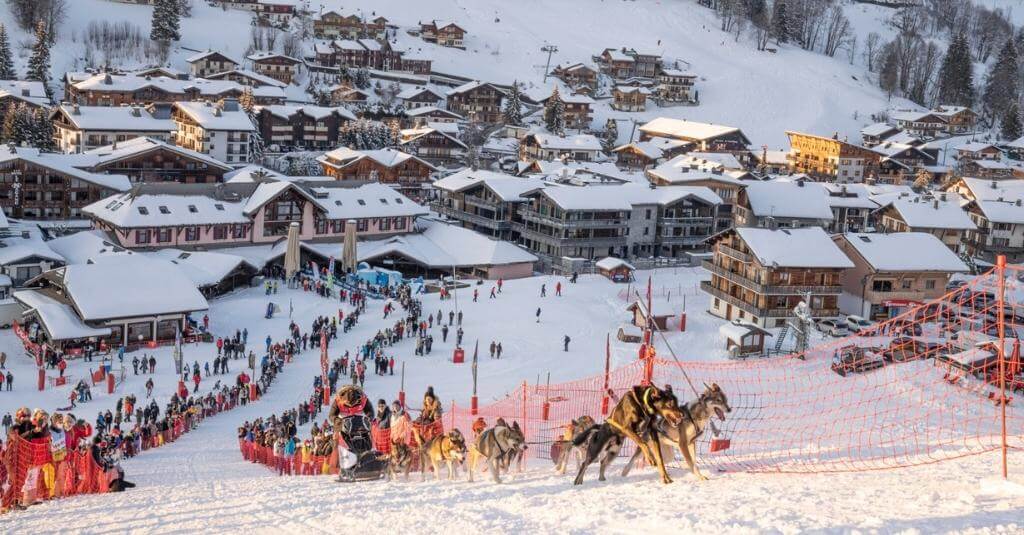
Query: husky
pixel 567 448
pixel 697 414
pixel 499 445
pixel 449 448
pixel 632 417
pixel 399 460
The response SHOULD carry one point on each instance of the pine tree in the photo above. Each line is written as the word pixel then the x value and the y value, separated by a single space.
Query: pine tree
pixel 39 63
pixel 889 76
pixel 513 111
pixel 18 125
pixel 6 59
pixel 554 113
pixel 780 22
pixel 1001 84
pixel 166 22
pixel 610 138
pixel 956 75
pixel 362 78
pixel 1010 126
pixel 41 130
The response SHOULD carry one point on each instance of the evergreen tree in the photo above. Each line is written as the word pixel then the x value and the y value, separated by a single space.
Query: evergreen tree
pixel 554 113
pixel 956 75
pixel 362 78
pixel 889 76
pixel 18 125
pixel 513 111
pixel 780 22
pixel 6 59
pixel 41 131
pixel 610 137
pixel 39 63
pixel 1002 83
pixel 1011 127
pixel 166 22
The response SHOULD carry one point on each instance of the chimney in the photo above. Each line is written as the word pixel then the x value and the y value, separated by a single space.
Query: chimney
pixel 800 183
pixel 136 112
pixel 75 110
pixel 216 112
pixel 1018 203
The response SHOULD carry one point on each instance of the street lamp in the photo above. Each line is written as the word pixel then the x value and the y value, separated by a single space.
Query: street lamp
pixel 550 49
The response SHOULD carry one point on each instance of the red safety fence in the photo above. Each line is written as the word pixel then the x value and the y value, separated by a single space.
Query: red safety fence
pixel 940 381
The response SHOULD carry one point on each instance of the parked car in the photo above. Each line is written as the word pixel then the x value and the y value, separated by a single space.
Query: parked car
pixel 833 328
pixel 905 348
pixel 858 324
pixel 853 359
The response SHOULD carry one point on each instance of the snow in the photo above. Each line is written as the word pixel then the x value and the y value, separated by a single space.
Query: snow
pixel 877 129
pixel 443 246
pixel 81 247
pixel 25 90
pixel 116 118
pixel 260 79
pixel 203 55
pixel 687 130
pixel 202 267
pixel 206 88
pixel 990 190
pixel 610 263
pixel 679 170
pixel 385 157
pixel 122 286
pixel 597 198
pixel 788 199
pixel 211 117
pixel 141 209
pixel 59 319
pixel 369 200
pixel 905 251
pixel 141 145
pixel 1002 211
pixel 932 214
pixel 287 111
pixel 508 188
pixel 807 247
pixel 572 142
pixel 737 329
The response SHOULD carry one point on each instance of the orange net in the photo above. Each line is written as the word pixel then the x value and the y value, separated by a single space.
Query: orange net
pixel 931 384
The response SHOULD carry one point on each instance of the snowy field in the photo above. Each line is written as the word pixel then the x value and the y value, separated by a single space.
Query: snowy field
pixel 789 90
pixel 201 484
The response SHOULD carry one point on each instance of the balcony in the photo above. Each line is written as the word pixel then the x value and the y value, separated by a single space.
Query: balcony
pixel 706 287
pixel 765 289
pixel 472 218
pixel 610 241
pixel 733 253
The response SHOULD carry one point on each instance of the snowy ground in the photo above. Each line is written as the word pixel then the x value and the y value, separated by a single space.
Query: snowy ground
pixel 789 90
pixel 201 484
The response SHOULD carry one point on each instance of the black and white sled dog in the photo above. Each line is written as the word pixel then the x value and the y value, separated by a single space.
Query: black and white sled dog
pixel 697 415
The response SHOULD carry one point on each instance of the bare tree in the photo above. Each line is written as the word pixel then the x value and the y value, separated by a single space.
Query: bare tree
pixel 837 31
pixel 871 49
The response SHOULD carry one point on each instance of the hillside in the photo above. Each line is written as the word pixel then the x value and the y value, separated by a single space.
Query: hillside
pixel 761 92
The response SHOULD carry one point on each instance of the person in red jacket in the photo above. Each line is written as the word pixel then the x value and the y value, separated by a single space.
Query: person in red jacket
pixel 62 365
pixel 79 432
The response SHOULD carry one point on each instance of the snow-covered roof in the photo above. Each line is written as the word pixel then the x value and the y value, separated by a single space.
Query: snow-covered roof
pixel 680 170
pixel 1005 211
pixel 433 110
pixel 991 165
pixel 654 148
pixel 81 247
pixel 914 116
pixel 735 330
pixel 507 187
pixel 372 199
pixel 27 90
pixel 615 54
pixel 203 55
pixel 17 249
pixel 808 247
pixel 260 79
pixel 116 118
pixel 204 268
pixel 573 142
pixel 442 246
pixel 985 189
pixel 125 286
pixel 905 251
pixel 610 263
pixel 469 86
pixel 138 208
pixel 973 146
pixel 788 199
pixel 263 56
pixel 683 129
pixel 59 319
pixel 878 129
pixel 712 160
pixel 213 117
pixel 595 198
pixel 415 91
pixel 925 213
pixel 410 135
pixel 251 173
pixel 846 195
pixel 208 88
pixel 678 73
pixel 141 145
pixel 344 156
pixel 64 164
pixel 286 111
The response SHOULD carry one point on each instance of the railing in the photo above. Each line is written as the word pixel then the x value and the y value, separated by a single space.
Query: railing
pixel 761 312
pixel 585 241
pixel 764 289
pixel 742 257
pixel 533 215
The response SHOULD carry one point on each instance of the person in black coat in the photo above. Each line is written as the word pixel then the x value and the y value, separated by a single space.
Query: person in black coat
pixel 383 415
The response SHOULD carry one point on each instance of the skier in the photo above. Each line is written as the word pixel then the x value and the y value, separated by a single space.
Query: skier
pixel 492 292
pixel 558 289
pixel 476 293
pixel 538 314
pixel 565 341
pixel 444 333
pixel 543 290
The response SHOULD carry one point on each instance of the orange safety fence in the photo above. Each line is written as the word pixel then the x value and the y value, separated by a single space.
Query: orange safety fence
pixel 939 381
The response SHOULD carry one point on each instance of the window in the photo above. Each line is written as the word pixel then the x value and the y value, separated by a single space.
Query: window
pixel 191 233
pixel 361 202
pixel 142 236
pixel 163 235
pixel 362 225
pixel 238 231
pixel 399 223
pixel 192 209
pixel 143 210
pixel 220 232
pixel 219 207
pixel 337 226
pixel 881 286
pixel 906 284
pixel 320 226
pixel 164 210
pixel 929 284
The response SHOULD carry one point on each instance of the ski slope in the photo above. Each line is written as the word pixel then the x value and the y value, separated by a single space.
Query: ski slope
pixel 763 93
pixel 200 484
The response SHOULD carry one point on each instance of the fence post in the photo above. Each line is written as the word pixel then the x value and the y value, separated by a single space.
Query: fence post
pixel 451 420
pixel 1001 323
